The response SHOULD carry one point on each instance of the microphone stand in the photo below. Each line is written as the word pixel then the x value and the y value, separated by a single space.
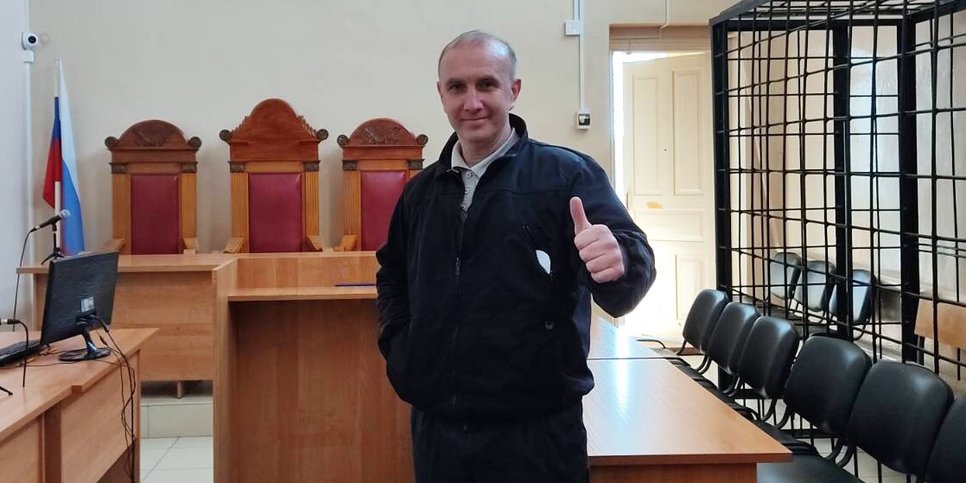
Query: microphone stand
pixel 56 252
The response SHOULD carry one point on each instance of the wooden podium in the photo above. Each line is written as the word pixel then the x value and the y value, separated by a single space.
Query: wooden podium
pixel 300 387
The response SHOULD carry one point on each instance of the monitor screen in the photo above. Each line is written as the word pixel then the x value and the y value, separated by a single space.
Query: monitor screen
pixel 78 287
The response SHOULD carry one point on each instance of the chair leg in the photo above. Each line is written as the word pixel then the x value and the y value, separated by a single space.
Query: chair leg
pixel 651 339
pixel 732 388
pixel 849 454
pixel 683 346
pixel 183 387
pixel 771 411
pixel 836 450
pixel 785 417
pixel 705 364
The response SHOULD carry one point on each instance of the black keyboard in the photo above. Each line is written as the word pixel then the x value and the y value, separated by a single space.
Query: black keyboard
pixel 19 350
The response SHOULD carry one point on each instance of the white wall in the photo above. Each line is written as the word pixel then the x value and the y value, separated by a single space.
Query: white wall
pixel 204 65
pixel 13 184
pixel 950 142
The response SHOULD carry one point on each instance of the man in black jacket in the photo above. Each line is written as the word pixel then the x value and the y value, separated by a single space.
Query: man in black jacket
pixel 485 284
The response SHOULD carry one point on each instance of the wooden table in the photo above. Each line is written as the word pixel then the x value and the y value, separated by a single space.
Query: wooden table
pixel 65 425
pixel 607 343
pixel 648 422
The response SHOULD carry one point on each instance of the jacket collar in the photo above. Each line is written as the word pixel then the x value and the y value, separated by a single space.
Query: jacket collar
pixel 444 163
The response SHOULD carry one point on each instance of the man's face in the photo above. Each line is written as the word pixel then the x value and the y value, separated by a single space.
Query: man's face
pixel 477 91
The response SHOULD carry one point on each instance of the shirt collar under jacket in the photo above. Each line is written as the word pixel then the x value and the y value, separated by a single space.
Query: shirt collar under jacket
pixel 479 168
pixel 445 162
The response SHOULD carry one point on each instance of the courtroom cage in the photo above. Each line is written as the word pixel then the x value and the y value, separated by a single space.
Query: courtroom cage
pixel 837 181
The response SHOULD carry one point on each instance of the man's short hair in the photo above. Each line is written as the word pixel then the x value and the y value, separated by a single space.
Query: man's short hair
pixel 478 37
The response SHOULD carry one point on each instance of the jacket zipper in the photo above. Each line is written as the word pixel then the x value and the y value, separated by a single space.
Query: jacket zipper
pixel 461 215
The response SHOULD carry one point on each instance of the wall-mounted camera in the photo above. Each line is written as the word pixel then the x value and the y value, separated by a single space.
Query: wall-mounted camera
pixel 29 40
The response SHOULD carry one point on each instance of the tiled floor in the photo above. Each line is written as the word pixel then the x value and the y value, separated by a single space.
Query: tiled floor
pixel 165 416
pixel 177 460
pixel 176 444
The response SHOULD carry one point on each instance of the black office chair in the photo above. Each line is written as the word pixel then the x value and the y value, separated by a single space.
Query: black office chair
pixel 727 342
pixel 698 326
pixel 863 283
pixel 947 463
pixel 767 358
pixel 814 290
pixel 784 272
pixel 897 415
pixel 821 388
pixel 784 269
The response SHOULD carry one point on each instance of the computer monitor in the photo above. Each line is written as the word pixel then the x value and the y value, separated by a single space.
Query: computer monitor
pixel 80 297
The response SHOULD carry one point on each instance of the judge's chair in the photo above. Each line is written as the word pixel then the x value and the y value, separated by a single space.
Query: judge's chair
pixel 377 160
pixel 154 190
pixel 274 164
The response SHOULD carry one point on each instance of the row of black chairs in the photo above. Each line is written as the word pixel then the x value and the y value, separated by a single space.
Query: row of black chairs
pixel 900 414
pixel 810 288
pixel 753 352
pixel 895 422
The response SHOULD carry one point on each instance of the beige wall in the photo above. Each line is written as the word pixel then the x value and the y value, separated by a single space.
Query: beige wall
pixel 13 202
pixel 204 65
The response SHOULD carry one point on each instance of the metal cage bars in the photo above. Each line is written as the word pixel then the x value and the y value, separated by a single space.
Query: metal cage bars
pixel 785 76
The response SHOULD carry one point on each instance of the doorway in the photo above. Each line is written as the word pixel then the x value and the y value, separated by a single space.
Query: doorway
pixel 664 168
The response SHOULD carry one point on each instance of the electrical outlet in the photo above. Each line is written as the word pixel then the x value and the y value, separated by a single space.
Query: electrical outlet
pixel 583 119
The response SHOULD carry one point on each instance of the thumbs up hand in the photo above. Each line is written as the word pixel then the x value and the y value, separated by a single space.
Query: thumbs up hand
pixel 597 246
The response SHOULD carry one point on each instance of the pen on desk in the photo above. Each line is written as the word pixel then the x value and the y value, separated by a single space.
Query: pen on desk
pixel 361 284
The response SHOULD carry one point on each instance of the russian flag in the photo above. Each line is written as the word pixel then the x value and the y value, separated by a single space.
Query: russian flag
pixel 60 183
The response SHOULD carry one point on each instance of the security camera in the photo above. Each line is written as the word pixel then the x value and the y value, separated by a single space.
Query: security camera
pixel 29 40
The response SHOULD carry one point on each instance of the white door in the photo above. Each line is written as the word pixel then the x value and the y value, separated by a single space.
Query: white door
pixel 668 161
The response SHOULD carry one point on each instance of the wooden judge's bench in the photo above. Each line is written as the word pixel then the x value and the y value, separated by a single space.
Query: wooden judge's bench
pixel 300 391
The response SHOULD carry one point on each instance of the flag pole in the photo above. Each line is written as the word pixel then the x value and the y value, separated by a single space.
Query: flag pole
pixel 57 184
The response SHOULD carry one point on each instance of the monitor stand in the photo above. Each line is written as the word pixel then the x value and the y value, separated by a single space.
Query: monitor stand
pixel 90 351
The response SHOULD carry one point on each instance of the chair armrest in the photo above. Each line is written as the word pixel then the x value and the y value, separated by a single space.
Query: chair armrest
pixel 315 242
pixel 234 245
pixel 190 246
pixel 113 245
pixel 348 243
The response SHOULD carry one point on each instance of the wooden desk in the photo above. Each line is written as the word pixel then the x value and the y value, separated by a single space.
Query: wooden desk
pixel 648 422
pixel 147 287
pixel 64 426
pixel 607 343
pixel 22 431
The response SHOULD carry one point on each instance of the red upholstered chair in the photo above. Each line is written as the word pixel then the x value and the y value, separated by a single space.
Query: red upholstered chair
pixel 377 160
pixel 274 164
pixel 154 190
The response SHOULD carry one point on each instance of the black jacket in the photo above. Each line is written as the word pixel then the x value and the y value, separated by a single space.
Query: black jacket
pixel 471 325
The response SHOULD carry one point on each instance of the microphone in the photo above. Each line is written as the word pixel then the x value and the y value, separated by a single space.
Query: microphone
pixel 53 219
